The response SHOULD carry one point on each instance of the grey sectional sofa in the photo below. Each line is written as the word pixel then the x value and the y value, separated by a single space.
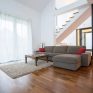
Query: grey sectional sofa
pixel 66 57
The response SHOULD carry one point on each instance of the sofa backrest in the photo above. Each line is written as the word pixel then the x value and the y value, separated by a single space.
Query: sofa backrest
pixel 63 49
pixel 49 49
pixel 73 49
pixel 60 49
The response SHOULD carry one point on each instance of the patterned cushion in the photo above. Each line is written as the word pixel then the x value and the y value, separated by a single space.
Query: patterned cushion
pixel 80 51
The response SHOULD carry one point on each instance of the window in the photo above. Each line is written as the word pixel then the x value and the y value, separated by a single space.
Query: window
pixel 15 38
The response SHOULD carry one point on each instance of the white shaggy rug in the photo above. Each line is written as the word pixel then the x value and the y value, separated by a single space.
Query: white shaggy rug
pixel 18 69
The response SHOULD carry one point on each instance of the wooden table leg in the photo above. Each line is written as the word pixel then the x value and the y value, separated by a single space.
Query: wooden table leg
pixel 47 58
pixel 25 59
pixel 36 59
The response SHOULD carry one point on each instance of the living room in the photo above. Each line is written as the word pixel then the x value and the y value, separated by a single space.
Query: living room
pixel 46 46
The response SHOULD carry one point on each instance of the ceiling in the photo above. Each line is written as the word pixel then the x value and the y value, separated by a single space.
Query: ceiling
pixel 62 3
pixel 35 4
pixel 39 5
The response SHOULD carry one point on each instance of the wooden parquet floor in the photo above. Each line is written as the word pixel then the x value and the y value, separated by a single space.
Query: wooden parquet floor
pixel 50 80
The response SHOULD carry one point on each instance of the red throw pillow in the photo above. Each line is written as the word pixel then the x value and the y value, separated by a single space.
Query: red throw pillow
pixel 41 49
pixel 80 51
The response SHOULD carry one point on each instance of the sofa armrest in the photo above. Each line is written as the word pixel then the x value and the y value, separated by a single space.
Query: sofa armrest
pixel 85 58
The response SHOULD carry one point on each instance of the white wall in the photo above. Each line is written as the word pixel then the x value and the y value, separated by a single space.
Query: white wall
pixel 71 39
pixel 48 24
pixel 15 9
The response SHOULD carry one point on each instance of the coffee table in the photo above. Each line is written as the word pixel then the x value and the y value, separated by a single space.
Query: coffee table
pixel 36 57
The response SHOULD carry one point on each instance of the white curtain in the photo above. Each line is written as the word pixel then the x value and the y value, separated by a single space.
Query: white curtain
pixel 15 38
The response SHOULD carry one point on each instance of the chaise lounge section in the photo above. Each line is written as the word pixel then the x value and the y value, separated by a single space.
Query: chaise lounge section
pixel 68 61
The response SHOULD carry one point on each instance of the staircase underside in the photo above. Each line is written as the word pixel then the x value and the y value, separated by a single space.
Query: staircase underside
pixel 74 25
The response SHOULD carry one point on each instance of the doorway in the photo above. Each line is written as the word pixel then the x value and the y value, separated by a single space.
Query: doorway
pixel 84 38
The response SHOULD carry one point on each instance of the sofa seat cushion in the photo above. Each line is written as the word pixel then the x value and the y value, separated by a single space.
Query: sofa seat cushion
pixel 52 54
pixel 67 58
pixel 60 49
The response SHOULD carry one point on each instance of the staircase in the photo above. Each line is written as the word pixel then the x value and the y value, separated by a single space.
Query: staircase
pixel 72 22
pixel 65 21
